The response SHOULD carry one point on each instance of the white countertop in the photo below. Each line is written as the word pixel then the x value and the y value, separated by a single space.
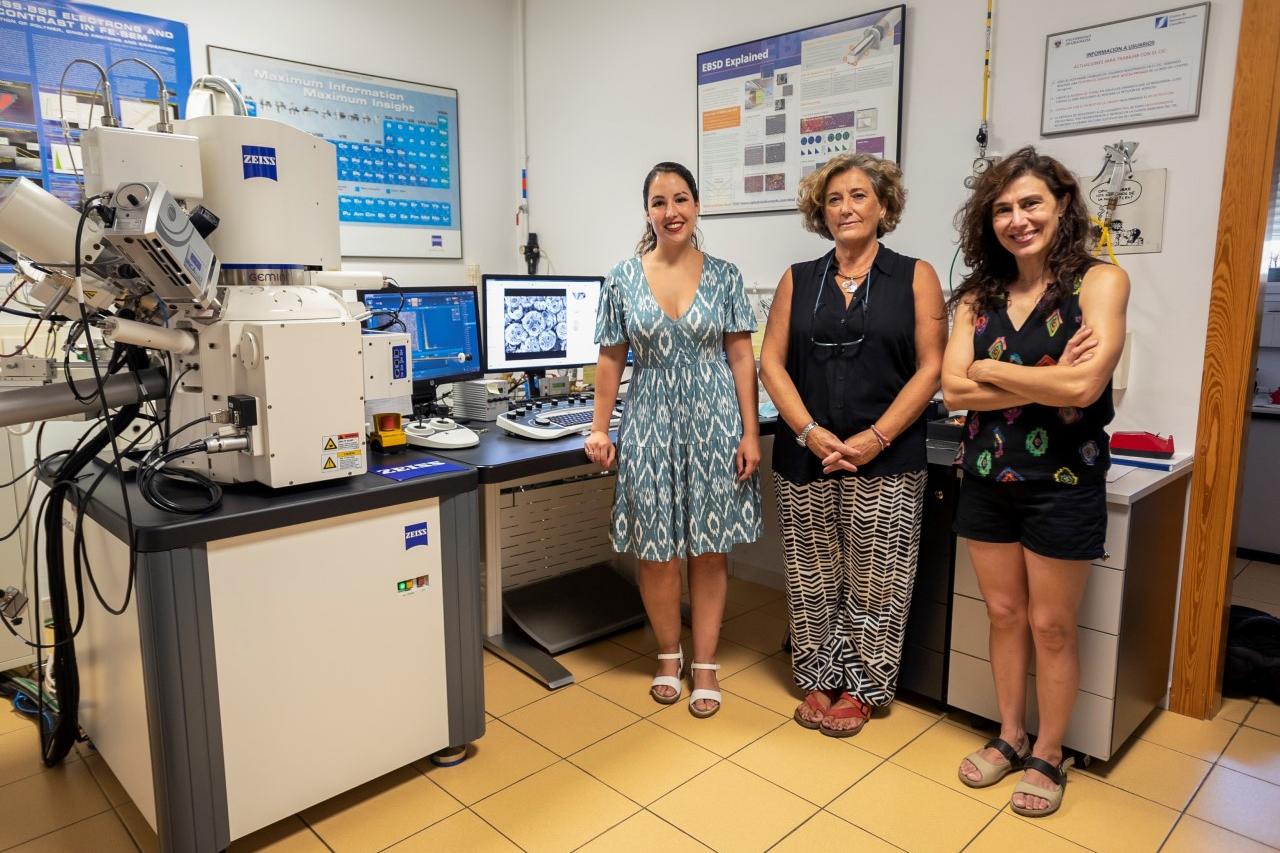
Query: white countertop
pixel 1132 484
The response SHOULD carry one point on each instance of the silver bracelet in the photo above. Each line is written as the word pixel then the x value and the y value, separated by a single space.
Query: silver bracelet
pixel 803 438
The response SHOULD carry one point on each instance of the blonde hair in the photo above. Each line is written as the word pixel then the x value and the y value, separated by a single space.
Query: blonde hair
pixel 886 182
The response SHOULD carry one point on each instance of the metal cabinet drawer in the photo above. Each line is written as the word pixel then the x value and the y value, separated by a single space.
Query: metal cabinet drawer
pixel 1103 594
pixel 970 688
pixel 1099 652
pixel 1117 542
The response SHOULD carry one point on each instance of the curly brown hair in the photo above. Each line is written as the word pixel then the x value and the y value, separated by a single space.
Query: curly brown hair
pixel 991 268
pixel 886 181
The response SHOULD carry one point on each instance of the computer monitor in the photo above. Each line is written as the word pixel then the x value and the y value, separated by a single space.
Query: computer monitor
pixel 540 322
pixel 444 332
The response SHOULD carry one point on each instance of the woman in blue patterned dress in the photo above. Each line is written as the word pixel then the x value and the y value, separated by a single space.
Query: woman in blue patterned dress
pixel 689 444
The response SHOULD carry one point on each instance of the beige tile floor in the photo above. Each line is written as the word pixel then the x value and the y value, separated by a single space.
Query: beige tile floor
pixel 600 767
pixel 1257 584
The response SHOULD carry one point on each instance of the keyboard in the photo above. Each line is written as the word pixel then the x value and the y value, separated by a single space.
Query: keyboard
pixel 548 418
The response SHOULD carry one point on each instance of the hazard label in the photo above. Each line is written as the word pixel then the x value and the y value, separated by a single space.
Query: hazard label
pixel 350 459
pixel 344 441
pixel 91 293
pixel 329 463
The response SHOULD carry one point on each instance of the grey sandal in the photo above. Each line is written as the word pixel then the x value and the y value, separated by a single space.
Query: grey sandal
pixel 993 773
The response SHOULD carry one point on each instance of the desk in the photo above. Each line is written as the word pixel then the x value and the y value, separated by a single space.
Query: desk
pixel 506 464
pixel 270 660
pixel 552 556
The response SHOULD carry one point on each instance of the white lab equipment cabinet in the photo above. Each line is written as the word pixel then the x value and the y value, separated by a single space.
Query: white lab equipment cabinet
pixel 1126 619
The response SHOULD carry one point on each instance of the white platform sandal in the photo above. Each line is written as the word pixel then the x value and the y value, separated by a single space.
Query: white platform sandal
pixel 704 693
pixel 672 681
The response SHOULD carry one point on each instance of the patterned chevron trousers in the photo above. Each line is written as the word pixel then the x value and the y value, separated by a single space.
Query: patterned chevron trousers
pixel 850 545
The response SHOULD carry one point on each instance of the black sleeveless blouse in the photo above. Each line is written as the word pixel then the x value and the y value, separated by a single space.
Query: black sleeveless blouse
pixel 850 363
pixel 1067 445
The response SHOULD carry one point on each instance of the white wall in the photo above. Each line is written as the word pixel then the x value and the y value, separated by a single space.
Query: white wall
pixel 611 91
pixel 1268 373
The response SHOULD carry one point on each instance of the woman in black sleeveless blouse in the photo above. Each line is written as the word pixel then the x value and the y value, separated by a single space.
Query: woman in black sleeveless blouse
pixel 851 356
pixel 1039 328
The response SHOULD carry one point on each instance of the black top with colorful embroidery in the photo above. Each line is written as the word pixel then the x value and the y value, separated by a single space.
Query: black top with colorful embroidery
pixel 1065 444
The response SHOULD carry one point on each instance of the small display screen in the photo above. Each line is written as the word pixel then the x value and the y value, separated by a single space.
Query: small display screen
pixel 443 328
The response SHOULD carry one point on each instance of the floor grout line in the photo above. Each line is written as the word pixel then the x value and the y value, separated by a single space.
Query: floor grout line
pixel 315 832
pixel 73 823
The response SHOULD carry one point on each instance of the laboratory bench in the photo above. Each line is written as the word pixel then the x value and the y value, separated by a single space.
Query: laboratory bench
pixel 286 647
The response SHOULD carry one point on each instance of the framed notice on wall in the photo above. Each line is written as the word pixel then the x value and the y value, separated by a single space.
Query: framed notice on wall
pixel 1134 71
pixel 398 191
pixel 771 111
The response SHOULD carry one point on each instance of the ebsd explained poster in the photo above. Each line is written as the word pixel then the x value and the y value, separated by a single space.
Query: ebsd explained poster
pixel 771 111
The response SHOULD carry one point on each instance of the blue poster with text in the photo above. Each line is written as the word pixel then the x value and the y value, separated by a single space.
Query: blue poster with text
pixel 46 100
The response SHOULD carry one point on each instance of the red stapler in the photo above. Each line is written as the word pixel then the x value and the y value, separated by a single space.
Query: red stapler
pixel 1142 444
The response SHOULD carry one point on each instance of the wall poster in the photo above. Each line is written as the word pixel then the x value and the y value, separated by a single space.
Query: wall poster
pixel 398 190
pixel 772 111
pixel 39 41
pixel 1138 70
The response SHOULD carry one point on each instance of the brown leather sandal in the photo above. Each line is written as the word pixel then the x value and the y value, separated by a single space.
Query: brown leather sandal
pixel 812 702
pixel 858 710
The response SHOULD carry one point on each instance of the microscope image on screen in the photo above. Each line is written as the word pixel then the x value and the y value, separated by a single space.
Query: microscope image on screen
pixel 534 324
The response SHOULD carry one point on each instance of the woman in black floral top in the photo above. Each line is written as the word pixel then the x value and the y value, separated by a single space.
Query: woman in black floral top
pixel 1039 328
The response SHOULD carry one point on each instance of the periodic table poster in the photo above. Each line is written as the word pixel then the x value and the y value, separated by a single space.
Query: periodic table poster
pixel 397 147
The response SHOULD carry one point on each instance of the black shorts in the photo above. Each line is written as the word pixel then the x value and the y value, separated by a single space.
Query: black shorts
pixel 1053 520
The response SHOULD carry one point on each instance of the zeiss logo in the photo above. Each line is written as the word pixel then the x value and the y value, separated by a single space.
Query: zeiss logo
pixel 415 535
pixel 1162 22
pixel 259 162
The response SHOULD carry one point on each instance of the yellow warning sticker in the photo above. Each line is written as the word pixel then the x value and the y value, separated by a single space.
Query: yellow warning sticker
pixel 91 293
pixel 348 459
pixel 329 463
pixel 341 441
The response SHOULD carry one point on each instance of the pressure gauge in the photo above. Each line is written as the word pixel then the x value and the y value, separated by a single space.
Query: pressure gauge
pixel 981 165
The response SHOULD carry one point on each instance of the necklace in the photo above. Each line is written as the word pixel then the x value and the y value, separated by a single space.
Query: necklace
pixel 851 282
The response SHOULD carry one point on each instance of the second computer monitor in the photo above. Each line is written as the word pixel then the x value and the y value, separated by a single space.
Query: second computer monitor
pixel 540 322
pixel 443 328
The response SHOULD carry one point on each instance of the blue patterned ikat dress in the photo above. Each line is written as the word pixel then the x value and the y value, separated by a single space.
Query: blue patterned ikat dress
pixel 677 492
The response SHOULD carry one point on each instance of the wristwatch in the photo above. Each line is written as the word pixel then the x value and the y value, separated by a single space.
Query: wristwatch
pixel 803 438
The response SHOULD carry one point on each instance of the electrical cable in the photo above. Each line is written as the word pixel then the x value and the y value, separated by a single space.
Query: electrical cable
pixel 152 474
pixel 56 741
pixel 951 273
pixel 19 477
pixel 31 337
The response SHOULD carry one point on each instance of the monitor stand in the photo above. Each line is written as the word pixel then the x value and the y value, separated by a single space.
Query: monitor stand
pixel 533 383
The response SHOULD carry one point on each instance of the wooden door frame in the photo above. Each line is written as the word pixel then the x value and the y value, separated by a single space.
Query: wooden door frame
pixel 1231 347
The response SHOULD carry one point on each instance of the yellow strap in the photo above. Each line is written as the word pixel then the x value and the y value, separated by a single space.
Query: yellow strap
pixel 1104 240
